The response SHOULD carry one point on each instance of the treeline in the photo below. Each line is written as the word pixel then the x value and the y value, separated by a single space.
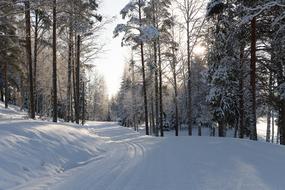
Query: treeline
pixel 46 47
pixel 215 64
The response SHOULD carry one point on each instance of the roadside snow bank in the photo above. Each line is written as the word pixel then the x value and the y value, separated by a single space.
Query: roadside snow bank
pixel 12 112
pixel 31 149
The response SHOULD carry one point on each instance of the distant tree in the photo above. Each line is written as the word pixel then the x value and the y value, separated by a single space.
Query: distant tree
pixel 29 58
pixel 137 32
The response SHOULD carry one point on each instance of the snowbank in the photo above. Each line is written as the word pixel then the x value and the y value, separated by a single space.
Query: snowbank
pixel 31 149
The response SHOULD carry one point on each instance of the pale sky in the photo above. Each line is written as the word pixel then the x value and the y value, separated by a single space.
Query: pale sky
pixel 111 64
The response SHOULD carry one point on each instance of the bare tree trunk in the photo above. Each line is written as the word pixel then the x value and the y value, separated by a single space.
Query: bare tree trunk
pixel 269 111
pixel 155 73
pixel 160 90
pixel 175 92
pixel 156 90
pixel 54 65
pixel 36 58
pixel 29 58
pixel 189 93
pixel 221 129
pixel 133 95
pixel 268 124
pixel 253 132
pixel 281 125
pixel 77 81
pixel 6 83
pixel 152 119
pixel 83 103
pixel 241 100
pixel 69 69
pixel 273 126
pixel 199 130
pixel 2 95
pixel 74 85
pixel 144 78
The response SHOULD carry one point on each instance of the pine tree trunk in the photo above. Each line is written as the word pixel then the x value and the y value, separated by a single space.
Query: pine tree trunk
pixel 160 90
pixel 69 71
pixel 77 83
pixel 269 111
pixel 6 83
pixel 221 129
pixel 152 117
pixel 74 84
pixel 2 95
pixel 54 65
pixel 155 72
pixel 175 93
pixel 189 93
pixel 268 124
pixel 273 126
pixel 281 125
pixel 199 130
pixel 241 90
pixel 253 132
pixel 29 59
pixel 36 58
pixel 144 78
pixel 133 96
pixel 83 103
pixel 156 90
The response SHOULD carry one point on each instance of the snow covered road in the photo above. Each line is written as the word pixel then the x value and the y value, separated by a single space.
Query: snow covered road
pixel 125 160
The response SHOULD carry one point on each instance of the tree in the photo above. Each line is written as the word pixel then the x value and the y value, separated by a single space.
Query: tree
pixel 29 58
pixel 223 67
pixel 146 33
pixel 54 63
pixel 190 10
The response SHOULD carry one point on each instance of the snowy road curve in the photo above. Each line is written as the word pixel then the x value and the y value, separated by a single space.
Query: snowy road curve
pixel 129 161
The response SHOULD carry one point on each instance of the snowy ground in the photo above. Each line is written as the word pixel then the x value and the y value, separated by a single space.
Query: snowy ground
pixel 38 155
pixel 12 113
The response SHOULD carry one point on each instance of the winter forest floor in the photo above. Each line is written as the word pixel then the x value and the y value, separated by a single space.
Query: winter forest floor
pixel 104 156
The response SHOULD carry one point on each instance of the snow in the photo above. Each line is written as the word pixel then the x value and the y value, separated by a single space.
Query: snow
pixel 12 113
pixel 42 155
pixel 148 33
pixel 128 8
pixel 281 89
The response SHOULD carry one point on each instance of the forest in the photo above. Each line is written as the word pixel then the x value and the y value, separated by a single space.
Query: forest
pixel 196 64
pixel 215 65
pixel 200 103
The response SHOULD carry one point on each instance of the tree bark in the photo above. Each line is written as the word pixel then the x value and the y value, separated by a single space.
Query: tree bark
pixel 269 111
pixel 253 132
pixel 189 93
pixel 83 103
pixel 160 89
pixel 241 100
pixel 2 95
pixel 221 129
pixel 152 117
pixel 155 73
pixel 29 59
pixel 144 78
pixel 272 125
pixel 175 92
pixel 6 83
pixel 54 65
pixel 74 83
pixel 36 58
pixel 69 69
pixel 268 124
pixel 133 95
pixel 77 83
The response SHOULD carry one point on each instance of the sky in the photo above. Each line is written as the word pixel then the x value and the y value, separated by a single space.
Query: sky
pixel 111 63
